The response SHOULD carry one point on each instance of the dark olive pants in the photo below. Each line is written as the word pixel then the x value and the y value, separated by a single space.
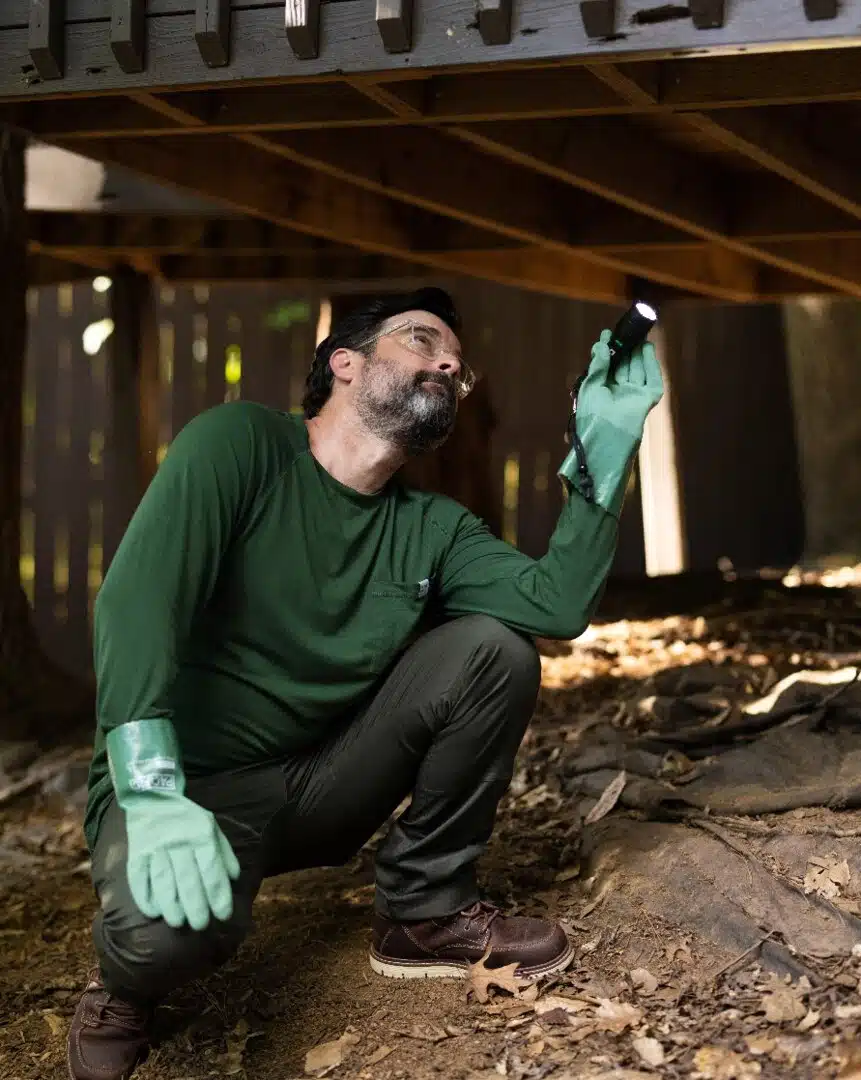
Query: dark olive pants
pixel 444 728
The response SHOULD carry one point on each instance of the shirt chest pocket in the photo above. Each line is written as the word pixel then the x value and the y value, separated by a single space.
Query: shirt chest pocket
pixel 395 608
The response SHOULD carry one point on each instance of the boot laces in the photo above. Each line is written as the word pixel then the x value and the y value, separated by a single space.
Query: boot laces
pixel 481 912
pixel 113 1010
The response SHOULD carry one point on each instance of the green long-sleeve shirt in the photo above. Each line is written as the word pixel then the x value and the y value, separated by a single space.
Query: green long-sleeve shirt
pixel 254 598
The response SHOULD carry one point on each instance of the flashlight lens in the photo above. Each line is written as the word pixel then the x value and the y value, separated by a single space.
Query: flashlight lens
pixel 646 311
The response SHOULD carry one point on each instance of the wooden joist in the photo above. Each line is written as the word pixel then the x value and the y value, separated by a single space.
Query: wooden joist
pixel 46 38
pixel 302 24
pixel 395 23
pixel 212 31
pixel 128 34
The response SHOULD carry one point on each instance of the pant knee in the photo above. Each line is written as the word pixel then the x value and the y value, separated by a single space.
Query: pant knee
pixel 511 651
pixel 145 960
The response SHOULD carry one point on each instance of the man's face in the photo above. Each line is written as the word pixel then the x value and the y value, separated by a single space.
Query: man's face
pixel 406 393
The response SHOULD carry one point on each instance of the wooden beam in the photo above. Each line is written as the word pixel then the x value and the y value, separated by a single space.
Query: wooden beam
pixel 467 186
pixel 128 34
pixel 775 146
pixel 212 31
pixel 314 204
pixel 395 23
pixel 298 268
pixel 302 23
pixel 270 37
pixel 46 38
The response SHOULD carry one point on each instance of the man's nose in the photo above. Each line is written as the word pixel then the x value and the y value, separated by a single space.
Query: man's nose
pixel 448 363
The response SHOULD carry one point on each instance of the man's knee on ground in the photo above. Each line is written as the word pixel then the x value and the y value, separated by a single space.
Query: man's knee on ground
pixel 144 959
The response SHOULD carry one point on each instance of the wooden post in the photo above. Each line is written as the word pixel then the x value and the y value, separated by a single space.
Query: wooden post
pixel 133 375
pixel 37 700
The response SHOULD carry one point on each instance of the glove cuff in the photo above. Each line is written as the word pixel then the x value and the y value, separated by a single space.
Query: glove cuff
pixel 610 454
pixel 144 759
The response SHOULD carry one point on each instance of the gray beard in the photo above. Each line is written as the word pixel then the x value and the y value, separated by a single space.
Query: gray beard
pixel 409 417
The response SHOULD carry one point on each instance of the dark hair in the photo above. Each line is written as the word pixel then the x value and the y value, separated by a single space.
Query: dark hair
pixel 362 322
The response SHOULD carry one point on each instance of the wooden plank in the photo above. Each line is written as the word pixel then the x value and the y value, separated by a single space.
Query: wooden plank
pixel 448 38
pixel 46 39
pixel 212 31
pixel 128 34
pixel 395 23
pixel 302 24
pixel 477 191
pixel 494 21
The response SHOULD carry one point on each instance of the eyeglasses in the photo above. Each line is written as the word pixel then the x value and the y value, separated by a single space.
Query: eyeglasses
pixel 426 342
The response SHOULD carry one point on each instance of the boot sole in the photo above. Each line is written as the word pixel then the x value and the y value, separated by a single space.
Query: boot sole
pixel 452 969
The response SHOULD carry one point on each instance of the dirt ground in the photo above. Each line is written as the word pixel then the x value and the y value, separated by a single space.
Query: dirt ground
pixel 644 996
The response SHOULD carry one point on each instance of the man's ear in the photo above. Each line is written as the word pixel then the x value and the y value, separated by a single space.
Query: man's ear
pixel 344 364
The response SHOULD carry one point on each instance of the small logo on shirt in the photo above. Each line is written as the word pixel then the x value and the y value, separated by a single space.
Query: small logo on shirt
pixel 423 588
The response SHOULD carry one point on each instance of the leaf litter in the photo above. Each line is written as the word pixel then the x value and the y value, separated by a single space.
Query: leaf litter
pixel 642 998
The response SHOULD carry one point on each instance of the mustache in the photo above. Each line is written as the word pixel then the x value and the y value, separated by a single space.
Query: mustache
pixel 423 377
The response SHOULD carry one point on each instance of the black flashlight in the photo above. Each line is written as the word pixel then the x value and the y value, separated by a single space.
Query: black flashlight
pixel 631 331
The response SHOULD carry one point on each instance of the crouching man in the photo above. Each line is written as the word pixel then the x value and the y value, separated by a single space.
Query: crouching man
pixel 288 643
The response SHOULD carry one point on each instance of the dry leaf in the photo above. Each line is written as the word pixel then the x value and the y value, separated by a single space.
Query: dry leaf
pixel 760 1044
pixel 551 1002
pixel 329 1055
pixel 783 1001
pixel 428 1033
pixel 56 1023
pixel 847 1012
pixel 650 1050
pixel 718 1063
pixel 810 1021
pixel 644 981
pixel 617 1015
pixel 481 978
pixel 567 875
pixel 608 799
pixel 826 877
pixel 379 1055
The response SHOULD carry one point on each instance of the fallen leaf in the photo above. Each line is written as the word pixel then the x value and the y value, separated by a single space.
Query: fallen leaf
pixel 826 877
pixel 608 800
pixel 718 1063
pixel 650 1050
pixel 810 1021
pixel 644 981
pixel 567 875
pixel 617 1015
pixel 783 1001
pixel 551 1002
pixel 847 1012
pixel 56 1023
pixel 427 1033
pixel 379 1055
pixel 481 978
pixel 329 1055
pixel 760 1044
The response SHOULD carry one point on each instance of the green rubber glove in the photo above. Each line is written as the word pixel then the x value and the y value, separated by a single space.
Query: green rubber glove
pixel 611 414
pixel 180 863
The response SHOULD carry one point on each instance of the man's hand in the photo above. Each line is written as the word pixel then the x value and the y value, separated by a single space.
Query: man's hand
pixel 625 398
pixel 180 863
pixel 611 412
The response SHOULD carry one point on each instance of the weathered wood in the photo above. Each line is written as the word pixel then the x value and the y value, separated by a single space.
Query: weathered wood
pixel 128 34
pixel 599 18
pixel 494 21
pixel 302 23
pixel 395 23
pixel 708 14
pixel 212 31
pixel 46 38
pixel 449 37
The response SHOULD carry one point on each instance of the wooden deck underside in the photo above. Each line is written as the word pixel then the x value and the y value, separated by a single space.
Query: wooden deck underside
pixel 710 151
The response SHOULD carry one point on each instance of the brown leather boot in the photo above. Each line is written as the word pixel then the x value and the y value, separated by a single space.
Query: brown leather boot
pixel 444 948
pixel 108 1037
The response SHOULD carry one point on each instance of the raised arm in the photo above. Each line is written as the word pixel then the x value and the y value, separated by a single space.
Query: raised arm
pixel 555 596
